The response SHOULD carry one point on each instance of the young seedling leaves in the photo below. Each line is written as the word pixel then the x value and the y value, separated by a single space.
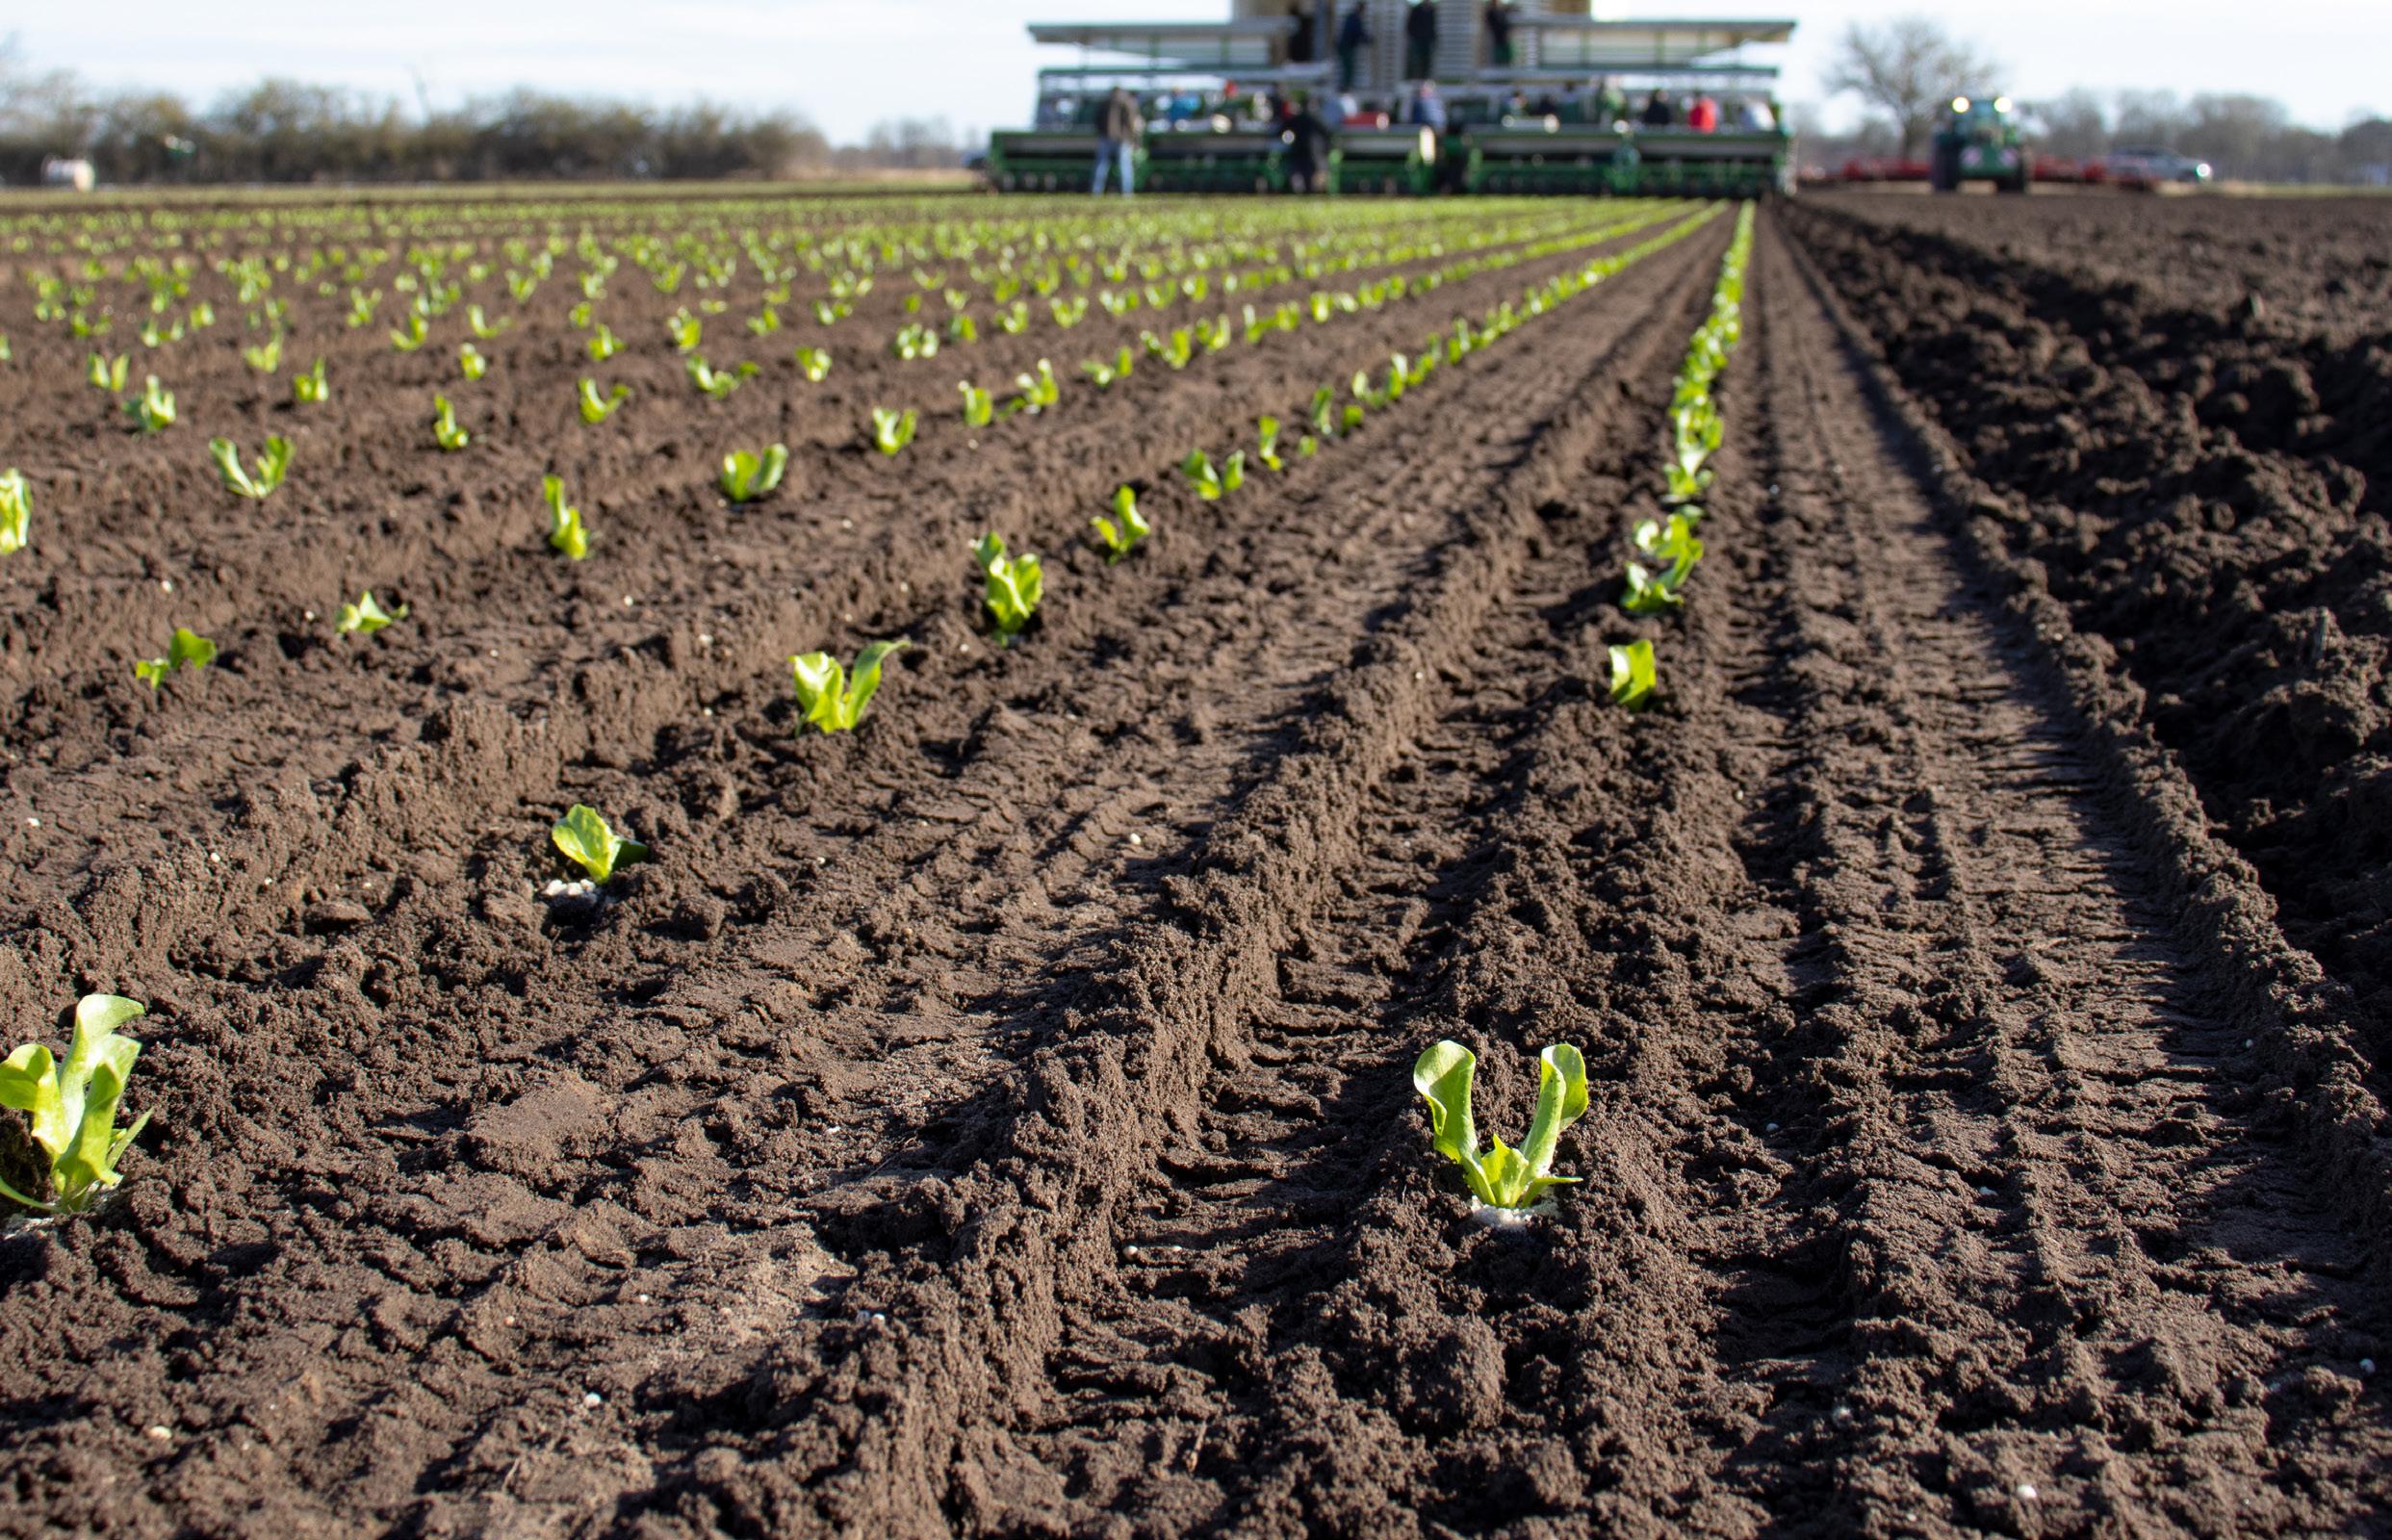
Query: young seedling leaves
pixel 748 476
pixel 1204 475
pixel 73 1101
pixel 445 430
pixel 979 406
pixel 1127 526
pixel 891 431
pixel 270 467
pixel 187 650
pixel 1633 675
pixel 595 408
pixel 598 850
pixel 830 700
pixel 311 388
pixel 153 410
pixel 1267 429
pixel 565 530
pixel 16 509
pixel 1647 596
pixel 814 363
pixel 365 617
pixel 1500 1177
pixel 1014 586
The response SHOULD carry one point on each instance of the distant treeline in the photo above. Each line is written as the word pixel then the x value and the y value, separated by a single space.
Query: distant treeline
pixel 284 131
pixel 2245 137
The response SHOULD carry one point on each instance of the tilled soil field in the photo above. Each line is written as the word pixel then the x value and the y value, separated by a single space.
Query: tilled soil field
pixel 998 1120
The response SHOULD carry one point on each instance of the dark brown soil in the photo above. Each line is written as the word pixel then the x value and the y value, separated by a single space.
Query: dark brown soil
pixel 2209 499
pixel 998 1122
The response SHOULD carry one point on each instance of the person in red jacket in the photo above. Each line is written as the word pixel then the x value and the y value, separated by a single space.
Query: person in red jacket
pixel 1704 115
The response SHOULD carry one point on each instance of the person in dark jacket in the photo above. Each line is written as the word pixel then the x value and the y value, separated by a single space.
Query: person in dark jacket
pixel 1657 113
pixel 1308 142
pixel 1351 34
pixel 1498 34
pixel 1118 127
pixel 1420 40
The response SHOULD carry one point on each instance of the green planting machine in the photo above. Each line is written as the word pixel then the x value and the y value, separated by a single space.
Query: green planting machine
pixel 1563 114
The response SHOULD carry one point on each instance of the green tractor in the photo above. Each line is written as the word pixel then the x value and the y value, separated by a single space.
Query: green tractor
pixel 1978 141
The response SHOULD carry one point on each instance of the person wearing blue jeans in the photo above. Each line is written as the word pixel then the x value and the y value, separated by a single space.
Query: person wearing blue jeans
pixel 1118 128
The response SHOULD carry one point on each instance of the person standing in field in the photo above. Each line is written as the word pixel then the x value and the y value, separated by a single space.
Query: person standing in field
pixel 1118 127
pixel 1498 34
pixel 1657 113
pixel 1351 34
pixel 1704 115
pixel 1308 146
pixel 1420 40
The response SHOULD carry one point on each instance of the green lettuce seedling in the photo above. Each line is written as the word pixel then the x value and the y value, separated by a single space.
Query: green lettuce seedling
pixel 470 361
pixel 310 388
pixel 1104 373
pixel 814 363
pixel 1039 390
pixel 154 408
pixel 17 509
pixel 1212 483
pixel 685 329
pixel 1500 1177
pixel 1014 586
pixel 598 850
pixel 1648 594
pixel 412 336
pixel 891 431
pixel 1633 675
pixel 748 476
pixel 603 344
pixel 565 532
pixel 717 383
pixel 484 328
pixel 979 406
pixel 73 1103
pixel 259 484
pixel 266 356
pixel 109 375
pixel 445 430
pixel 595 408
pixel 1121 538
pixel 365 617
pixel 1267 428
pixel 825 693
pixel 187 650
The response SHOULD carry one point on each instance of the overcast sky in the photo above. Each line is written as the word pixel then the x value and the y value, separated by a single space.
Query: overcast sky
pixel 848 63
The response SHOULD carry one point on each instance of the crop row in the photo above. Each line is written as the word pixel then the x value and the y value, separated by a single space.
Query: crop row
pixel 1505 1184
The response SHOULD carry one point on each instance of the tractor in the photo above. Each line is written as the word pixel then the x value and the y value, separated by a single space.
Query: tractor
pixel 1978 141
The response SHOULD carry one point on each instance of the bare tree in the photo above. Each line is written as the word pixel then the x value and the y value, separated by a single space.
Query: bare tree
pixel 1907 68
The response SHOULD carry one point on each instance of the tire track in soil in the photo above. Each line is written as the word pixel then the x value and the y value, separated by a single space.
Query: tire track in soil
pixel 555 1311
pixel 2050 1273
pixel 970 1327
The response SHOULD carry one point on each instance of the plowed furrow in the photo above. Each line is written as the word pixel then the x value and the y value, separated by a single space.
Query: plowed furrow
pixel 1039 1229
pixel 2008 1114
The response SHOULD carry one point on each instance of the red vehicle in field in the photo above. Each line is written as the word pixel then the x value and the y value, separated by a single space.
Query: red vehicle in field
pixel 1885 169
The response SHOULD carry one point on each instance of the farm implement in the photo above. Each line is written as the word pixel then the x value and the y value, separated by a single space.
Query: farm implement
pixel 1565 114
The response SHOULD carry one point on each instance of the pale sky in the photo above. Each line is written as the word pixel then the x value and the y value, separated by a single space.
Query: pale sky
pixel 846 65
